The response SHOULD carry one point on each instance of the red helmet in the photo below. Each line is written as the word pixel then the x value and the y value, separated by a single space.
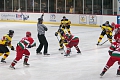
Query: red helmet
pixel 28 34
pixel 118 39
pixel 68 36
pixel 112 24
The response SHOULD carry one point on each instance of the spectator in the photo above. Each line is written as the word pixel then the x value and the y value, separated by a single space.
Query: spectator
pixel 19 10
pixel 15 10
pixel 71 9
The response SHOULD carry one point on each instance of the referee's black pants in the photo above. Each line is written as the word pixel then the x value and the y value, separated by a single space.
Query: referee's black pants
pixel 43 42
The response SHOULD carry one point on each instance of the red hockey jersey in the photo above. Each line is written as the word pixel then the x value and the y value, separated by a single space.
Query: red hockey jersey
pixel 24 42
pixel 115 48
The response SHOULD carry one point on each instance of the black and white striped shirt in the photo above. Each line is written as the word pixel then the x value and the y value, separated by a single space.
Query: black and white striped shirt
pixel 41 28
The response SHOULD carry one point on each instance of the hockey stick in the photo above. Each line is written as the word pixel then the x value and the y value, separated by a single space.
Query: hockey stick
pixel 58 41
pixel 104 42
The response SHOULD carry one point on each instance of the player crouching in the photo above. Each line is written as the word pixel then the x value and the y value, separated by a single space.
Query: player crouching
pixel 21 49
pixel 60 32
pixel 69 42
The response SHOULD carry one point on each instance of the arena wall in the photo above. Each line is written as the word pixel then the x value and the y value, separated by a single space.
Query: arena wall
pixel 55 18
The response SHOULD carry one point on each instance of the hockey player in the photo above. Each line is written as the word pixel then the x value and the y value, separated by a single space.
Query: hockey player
pixel 106 30
pixel 21 49
pixel 65 24
pixel 61 38
pixel 70 41
pixel 114 53
pixel 117 33
pixel 115 26
pixel 116 29
pixel 4 43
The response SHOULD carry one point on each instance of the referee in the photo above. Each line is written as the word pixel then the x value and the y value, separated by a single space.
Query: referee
pixel 41 28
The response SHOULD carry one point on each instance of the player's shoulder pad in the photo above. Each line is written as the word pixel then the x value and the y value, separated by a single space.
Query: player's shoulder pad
pixel 61 19
pixel 66 19
pixel 103 25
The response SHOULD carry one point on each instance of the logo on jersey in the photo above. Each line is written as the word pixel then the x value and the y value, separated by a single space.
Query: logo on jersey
pixel 52 18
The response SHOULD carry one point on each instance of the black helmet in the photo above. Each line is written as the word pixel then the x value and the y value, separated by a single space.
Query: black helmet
pixel 40 19
pixel 107 22
pixel 11 32
pixel 64 17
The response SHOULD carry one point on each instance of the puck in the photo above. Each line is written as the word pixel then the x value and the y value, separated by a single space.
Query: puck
pixel 61 53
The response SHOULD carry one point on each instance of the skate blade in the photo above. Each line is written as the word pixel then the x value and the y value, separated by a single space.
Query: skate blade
pixel 11 68
pixel 46 55
pixel 26 65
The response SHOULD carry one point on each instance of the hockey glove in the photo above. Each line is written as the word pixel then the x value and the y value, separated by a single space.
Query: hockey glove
pixel 12 48
pixel 29 46
pixel 61 31
pixel 110 52
pixel 64 41
pixel 56 34
pixel 33 45
pixel 6 43
pixel 60 26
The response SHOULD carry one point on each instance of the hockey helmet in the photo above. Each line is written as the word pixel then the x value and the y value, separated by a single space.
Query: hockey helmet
pixel 40 19
pixel 107 22
pixel 11 32
pixel 28 34
pixel 68 36
pixel 113 24
pixel 64 17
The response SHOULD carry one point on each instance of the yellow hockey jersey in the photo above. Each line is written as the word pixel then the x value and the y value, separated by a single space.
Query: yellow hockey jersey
pixel 6 40
pixel 65 22
pixel 107 28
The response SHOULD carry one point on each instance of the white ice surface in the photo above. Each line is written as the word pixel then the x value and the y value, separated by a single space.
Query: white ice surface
pixel 86 66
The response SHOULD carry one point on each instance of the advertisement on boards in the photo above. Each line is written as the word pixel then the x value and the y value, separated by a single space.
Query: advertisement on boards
pixel 14 16
pixel 22 16
pixel 52 18
pixel 8 16
pixel 92 19
pixel 83 19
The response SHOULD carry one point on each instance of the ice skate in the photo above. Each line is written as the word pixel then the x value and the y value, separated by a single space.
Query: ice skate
pixel 46 54
pixel 98 43
pixel 79 52
pixel 118 72
pixel 12 67
pixel 3 60
pixel 26 64
pixel 102 73
pixel 39 53
pixel 67 55
pixel 61 49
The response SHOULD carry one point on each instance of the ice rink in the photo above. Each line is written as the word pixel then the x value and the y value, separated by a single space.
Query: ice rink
pixel 85 66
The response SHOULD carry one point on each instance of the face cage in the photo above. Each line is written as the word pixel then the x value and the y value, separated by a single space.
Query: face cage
pixel 11 35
